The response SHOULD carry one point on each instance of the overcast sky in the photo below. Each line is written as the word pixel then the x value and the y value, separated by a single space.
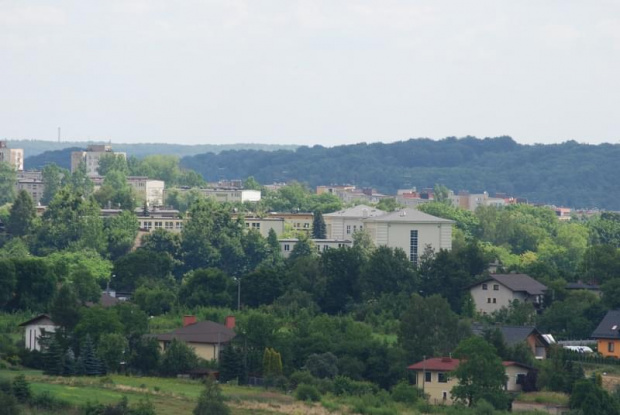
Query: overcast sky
pixel 309 72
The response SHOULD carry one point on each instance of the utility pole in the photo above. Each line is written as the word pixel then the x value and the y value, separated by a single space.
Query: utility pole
pixel 59 134
pixel 238 293
pixel 423 373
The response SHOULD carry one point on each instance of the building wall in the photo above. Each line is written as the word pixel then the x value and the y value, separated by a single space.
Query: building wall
pixel 169 224
pixel 512 372
pixel 398 235
pixel 438 392
pixel 13 156
pixel 298 221
pixel 321 245
pixel 151 191
pixel 32 333
pixel 34 188
pixel 232 196
pixel 91 157
pixel 603 347
pixel 205 351
pixel 264 225
pixel 342 228
pixel 502 297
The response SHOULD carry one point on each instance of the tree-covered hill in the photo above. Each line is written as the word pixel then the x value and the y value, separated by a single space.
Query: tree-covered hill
pixel 36 147
pixel 570 174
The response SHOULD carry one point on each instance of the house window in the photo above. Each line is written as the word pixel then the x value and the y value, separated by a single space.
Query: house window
pixel 442 377
pixel 445 395
pixel 413 247
pixel 520 378
pixel 489 300
pixel 484 287
pixel 287 247
pixel 495 301
pixel 610 347
pixel 325 248
pixel 307 225
pixel 348 229
pixel 169 225
pixel 427 376
pixel 495 287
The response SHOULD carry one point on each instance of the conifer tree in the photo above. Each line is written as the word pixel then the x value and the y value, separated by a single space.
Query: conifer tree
pixel 230 365
pixel 53 357
pixel 69 363
pixel 319 229
pixel 92 364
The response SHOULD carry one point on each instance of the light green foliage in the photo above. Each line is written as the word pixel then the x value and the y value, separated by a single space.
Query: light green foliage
pixel 14 248
pixel 71 222
pixel 67 263
pixel 465 220
pixel 272 362
pixel 154 300
pixel 115 192
pixel 79 182
pixel 111 161
pixel 441 194
pixel 405 393
pixel 7 183
pixel 388 204
pixel 296 197
pixel 605 229
pixel 251 184
pixel 307 393
pixel 480 374
pixel 65 308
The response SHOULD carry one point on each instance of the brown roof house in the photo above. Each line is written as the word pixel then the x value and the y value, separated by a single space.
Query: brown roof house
pixel 500 290
pixel 207 338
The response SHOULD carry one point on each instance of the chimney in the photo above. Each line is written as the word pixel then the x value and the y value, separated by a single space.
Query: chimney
pixel 230 322
pixel 189 320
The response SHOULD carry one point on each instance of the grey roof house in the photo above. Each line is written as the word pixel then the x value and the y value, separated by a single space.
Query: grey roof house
pixel 500 290
pixel 538 343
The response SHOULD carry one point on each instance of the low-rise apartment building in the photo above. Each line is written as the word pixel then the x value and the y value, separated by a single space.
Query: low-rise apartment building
pixel 321 245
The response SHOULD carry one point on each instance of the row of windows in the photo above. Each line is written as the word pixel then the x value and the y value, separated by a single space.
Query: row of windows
pixel 298 225
pixel 413 247
pixel 254 225
pixel 160 225
pixel 489 300
pixel 486 287
pixel 442 377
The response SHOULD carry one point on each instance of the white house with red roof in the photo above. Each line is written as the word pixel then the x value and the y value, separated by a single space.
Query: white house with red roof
pixel 433 377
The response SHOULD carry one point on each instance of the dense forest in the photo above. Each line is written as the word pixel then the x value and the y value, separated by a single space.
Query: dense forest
pixel 38 153
pixel 568 174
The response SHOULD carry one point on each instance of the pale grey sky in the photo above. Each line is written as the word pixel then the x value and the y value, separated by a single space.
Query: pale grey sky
pixel 309 72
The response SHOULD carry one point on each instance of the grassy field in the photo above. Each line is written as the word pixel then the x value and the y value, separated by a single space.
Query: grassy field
pixel 169 396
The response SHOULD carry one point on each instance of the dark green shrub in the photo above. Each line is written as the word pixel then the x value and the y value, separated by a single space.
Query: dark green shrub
pixel 342 385
pixel 21 388
pixel 301 376
pixel 8 404
pixel 405 393
pixel 307 393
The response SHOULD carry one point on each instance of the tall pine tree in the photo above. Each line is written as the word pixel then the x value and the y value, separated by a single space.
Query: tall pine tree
pixel 319 229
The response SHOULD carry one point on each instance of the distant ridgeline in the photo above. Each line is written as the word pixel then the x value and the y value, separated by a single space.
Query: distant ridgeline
pixel 568 174
pixel 38 153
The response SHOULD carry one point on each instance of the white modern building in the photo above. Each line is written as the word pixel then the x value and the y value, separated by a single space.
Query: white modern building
pixel 151 191
pixel 13 156
pixel 410 230
pixel 264 225
pixel 343 223
pixel 91 157
pixel 233 195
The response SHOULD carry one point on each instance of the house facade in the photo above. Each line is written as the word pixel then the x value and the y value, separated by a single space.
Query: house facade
pixel 35 328
pixel 607 335
pixel 500 290
pixel 321 245
pixel 434 377
pixel 207 338
pixel 12 156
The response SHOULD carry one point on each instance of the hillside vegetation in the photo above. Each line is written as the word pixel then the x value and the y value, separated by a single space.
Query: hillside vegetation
pixel 570 174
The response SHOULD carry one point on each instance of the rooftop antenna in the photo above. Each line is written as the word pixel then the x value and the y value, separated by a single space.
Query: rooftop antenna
pixel 59 134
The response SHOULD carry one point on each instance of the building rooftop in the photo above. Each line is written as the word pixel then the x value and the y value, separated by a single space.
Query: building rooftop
pixel 409 215
pixel 609 327
pixel 443 364
pixel 200 332
pixel 517 282
pixel 359 211
pixel 512 334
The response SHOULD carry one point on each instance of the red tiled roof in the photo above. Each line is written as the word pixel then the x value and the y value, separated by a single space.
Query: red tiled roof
pixel 444 364
pixel 447 364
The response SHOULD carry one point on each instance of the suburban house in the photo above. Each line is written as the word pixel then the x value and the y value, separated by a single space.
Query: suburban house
pixel 500 290
pixel 410 230
pixel 607 335
pixel 537 342
pixel 343 223
pixel 207 338
pixel 35 328
pixel 433 377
